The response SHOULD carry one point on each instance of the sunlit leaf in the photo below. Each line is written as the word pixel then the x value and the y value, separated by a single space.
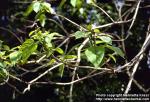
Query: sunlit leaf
pixel 106 39
pixel 2 53
pixel 52 61
pixel 70 57
pixel 36 6
pixel 47 7
pixel 59 50
pixel 42 19
pixel 73 2
pixel 29 10
pixel 27 48
pixel 81 10
pixel 14 57
pixel 96 30
pixel 48 39
pixel 81 34
pixel 89 1
pixel 95 55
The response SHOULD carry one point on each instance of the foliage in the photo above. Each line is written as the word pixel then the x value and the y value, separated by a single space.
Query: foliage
pixel 62 45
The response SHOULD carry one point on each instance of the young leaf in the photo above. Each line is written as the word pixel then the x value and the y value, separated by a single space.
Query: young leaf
pixel 70 56
pixel 106 39
pixel 51 62
pixel 2 53
pixel 81 34
pixel 42 19
pixel 14 57
pixel 36 6
pixel 27 48
pixel 111 56
pixel 59 50
pixel 95 55
pixel 29 10
pixel 117 50
pixel 96 30
pixel 47 6
pixel 73 2
pixel 48 39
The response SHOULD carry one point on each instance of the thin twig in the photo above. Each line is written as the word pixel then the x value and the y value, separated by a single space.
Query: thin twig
pixel 12 34
pixel 77 64
pixel 132 75
pixel 41 75
pixel 71 22
pixel 110 24
pixel 134 17
pixel 104 12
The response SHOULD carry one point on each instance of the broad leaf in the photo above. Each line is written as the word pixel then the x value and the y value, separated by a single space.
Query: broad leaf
pixel 14 57
pixel 95 55
pixel 42 19
pixel 36 6
pixel 117 50
pixel 106 39
pixel 48 39
pixel 2 53
pixel 27 48
pixel 81 34
pixel 47 7
pixel 29 10
pixel 73 2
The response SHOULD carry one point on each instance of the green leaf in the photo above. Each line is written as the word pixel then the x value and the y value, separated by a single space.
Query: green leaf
pixel 29 10
pixel 81 10
pixel 117 50
pixel 79 4
pixel 96 30
pixel 27 48
pixel 112 57
pixel 70 56
pixel 2 53
pixel 36 6
pixel 51 62
pixel 106 39
pixel 73 2
pixel 81 34
pixel 48 39
pixel 95 55
pixel 2 65
pixel 42 19
pixel 59 50
pixel 47 7
pixel 14 57
pixel 3 74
